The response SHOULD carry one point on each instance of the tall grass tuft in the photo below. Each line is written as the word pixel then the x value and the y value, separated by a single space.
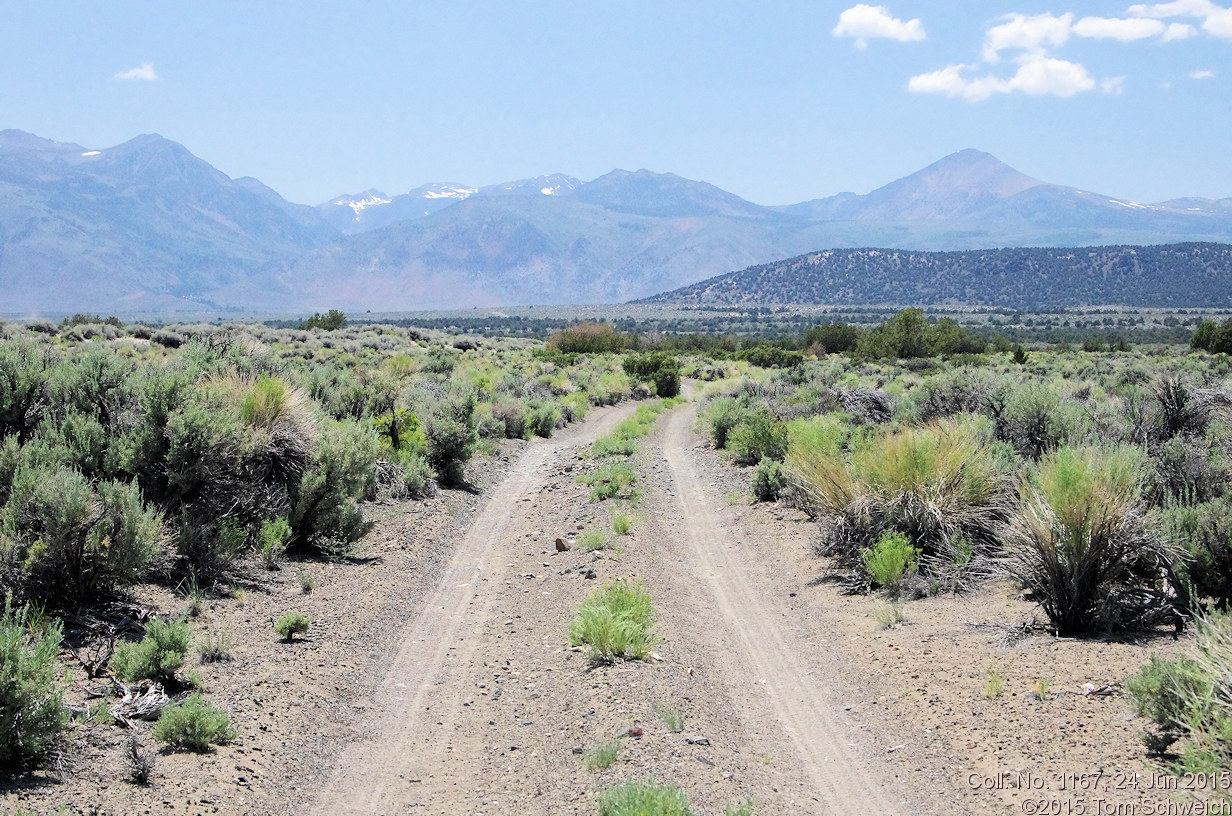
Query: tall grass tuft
pixel 615 623
pixel 941 486
pixel 1083 544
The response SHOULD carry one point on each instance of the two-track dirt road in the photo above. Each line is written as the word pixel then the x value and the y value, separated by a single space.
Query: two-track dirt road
pixel 484 707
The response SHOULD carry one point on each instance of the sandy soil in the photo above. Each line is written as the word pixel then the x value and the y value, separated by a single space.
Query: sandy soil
pixel 438 678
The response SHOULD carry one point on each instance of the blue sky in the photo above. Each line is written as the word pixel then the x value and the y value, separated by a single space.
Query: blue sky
pixel 776 101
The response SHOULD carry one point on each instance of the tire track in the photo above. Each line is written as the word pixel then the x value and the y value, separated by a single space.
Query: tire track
pixel 844 783
pixel 382 773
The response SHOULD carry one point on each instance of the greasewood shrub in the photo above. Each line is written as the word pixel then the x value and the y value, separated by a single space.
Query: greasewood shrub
pixel 31 694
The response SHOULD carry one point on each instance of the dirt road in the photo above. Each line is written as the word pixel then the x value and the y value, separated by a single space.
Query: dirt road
pixel 749 620
pixel 485 708
pixel 381 773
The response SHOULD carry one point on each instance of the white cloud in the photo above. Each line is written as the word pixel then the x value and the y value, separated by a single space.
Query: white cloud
pixel 1201 74
pixel 1178 8
pixel 145 73
pixel 1037 75
pixel 1216 20
pixel 1111 28
pixel 864 22
pixel 1031 34
pixel 1112 85
pixel 1219 23
pixel 1179 31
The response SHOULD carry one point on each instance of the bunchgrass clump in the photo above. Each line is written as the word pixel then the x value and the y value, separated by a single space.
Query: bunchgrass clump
pixel 942 486
pixel 193 725
pixel 644 799
pixel 613 480
pixel 672 718
pixel 622 522
pixel 602 756
pixel 1084 546
pixel 593 539
pixel 215 647
pixel 31 692
pixel 157 656
pixel 615 623
pixel 292 624
pixel 889 615
pixel 994 685
pixel 744 808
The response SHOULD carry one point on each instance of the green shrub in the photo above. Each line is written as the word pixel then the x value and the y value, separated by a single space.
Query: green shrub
pixel 658 367
pixel 324 515
pixel 769 480
pixel 72 542
pixel 158 655
pixel 758 436
pixel 1204 531
pixel 292 624
pixel 644 799
pixel 615 623
pixel 724 413
pixel 274 536
pixel 452 437
pixel 543 419
pixel 1083 544
pixel 1190 699
pixel 891 560
pixel 31 692
pixel 193 724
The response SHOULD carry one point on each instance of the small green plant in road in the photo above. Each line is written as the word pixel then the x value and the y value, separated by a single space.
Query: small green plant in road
pixel 602 756
pixel 306 582
pixel 593 539
pixel 194 725
pixel 889 615
pixel 994 685
pixel 672 718
pixel 644 799
pixel 615 623
pixel 744 808
pixel 292 624
pixel 159 654
pixel 622 522
pixel 891 560
pixel 614 480
pixel 1040 688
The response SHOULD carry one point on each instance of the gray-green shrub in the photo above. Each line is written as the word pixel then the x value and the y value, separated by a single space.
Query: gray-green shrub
pixel 158 655
pixel 193 724
pixel 32 713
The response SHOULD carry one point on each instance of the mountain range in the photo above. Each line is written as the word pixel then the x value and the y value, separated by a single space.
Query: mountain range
pixel 146 226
